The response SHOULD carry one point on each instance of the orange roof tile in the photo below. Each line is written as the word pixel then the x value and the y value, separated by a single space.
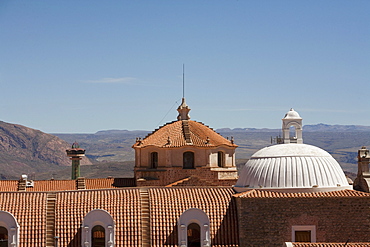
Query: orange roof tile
pixel 29 209
pixel 52 185
pixel 272 194
pixel 122 204
pixel 8 185
pixel 330 244
pixel 99 183
pixel 63 185
pixel 183 133
pixel 167 204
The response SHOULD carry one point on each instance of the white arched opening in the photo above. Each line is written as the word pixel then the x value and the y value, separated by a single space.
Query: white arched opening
pixel 10 227
pixel 101 222
pixel 191 219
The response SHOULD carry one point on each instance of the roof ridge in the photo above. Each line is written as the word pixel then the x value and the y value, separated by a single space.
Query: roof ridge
pixel 186 131
pixel 161 126
pixel 244 193
pixel 178 182
pixel 278 194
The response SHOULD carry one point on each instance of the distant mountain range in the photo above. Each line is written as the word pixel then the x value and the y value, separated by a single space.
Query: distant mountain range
pixel 342 141
pixel 42 156
pixel 28 151
pixel 307 128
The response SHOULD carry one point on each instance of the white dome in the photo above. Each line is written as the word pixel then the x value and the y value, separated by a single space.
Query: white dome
pixel 286 166
pixel 292 114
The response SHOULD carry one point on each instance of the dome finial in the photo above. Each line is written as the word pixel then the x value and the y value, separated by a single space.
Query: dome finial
pixel 183 110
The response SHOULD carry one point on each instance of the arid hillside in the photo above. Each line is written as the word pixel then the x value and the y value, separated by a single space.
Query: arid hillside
pixel 28 151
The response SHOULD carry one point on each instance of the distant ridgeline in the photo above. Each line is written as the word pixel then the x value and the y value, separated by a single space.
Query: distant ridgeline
pixel 306 128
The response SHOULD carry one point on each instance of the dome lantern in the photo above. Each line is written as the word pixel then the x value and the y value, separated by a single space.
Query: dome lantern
pixel 292 119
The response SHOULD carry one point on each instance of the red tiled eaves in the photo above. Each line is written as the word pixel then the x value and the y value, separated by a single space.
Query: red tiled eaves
pixel 167 204
pixel 271 194
pixel 330 244
pixel 176 135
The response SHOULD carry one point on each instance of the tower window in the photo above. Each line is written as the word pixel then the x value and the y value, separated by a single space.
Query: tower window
pixel 3 237
pixel 98 236
pixel 220 159
pixel 188 160
pixel 153 160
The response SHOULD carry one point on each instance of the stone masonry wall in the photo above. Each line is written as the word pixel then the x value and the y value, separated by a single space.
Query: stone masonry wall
pixel 167 176
pixel 269 221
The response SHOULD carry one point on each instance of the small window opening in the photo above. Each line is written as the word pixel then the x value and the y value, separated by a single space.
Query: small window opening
pixel 154 160
pixel 3 237
pixel 98 236
pixel 220 159
pixel 188 160
pixel 303 236
pixel 193 235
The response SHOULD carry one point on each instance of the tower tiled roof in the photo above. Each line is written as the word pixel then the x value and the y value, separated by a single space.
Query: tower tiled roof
pixel 182 133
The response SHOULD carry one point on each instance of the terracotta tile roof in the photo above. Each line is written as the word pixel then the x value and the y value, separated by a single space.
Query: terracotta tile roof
pixel 122 204
pixel 8 185
pixel 182 133
pixel 52 185
pixel 330 244
pixel 63 185
pixel 167 204
pixel 29 209
pixel 271 194
pixel 99 183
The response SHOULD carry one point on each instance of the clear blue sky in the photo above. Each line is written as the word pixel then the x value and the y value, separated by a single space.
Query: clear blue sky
pixel 84 66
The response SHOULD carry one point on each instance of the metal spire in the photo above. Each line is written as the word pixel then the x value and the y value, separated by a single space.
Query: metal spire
pixel 183 80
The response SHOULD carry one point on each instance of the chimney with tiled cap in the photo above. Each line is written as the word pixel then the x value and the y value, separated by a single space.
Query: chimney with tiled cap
pixel 75 154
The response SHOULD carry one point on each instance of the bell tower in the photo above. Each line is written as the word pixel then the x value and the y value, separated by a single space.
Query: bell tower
pixel 292 119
